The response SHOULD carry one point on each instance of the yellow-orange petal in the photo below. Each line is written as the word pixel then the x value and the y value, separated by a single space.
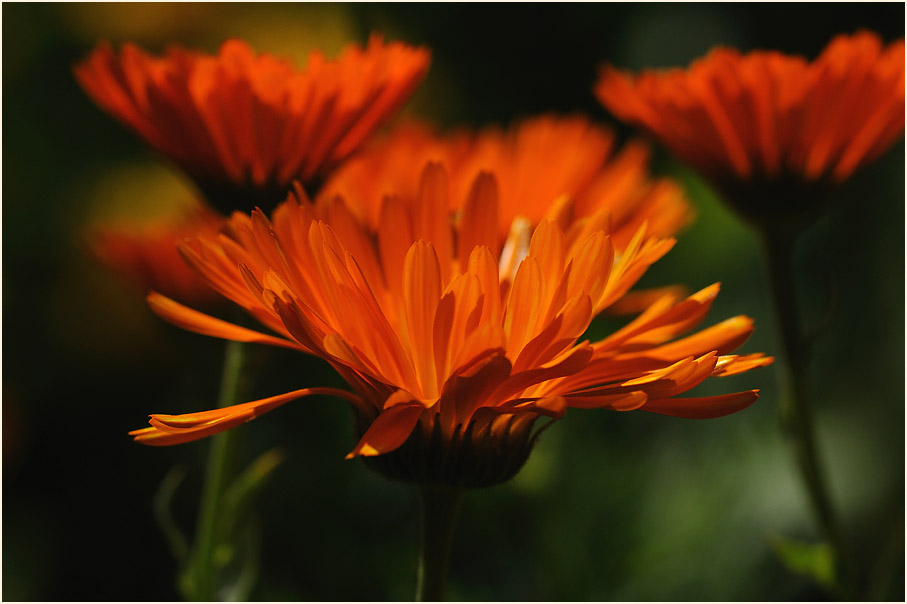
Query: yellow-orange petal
pixel 722 338
pixel 176 429
pixel 734 364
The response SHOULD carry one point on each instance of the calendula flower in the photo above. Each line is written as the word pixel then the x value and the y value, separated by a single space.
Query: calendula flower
pixel 145 253
pixel 769 129
pixel 774 133
pixel 244 125
pixel 453 344
pixel 563 168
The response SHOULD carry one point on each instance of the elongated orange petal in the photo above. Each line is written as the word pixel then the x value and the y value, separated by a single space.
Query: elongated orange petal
pixel 176 429
pixel 422 292
pixel 637 301
pixel 734 364
pixel 479 225
pixel 431 215
pixel 663 320
pixel 723 338
pixel 185 317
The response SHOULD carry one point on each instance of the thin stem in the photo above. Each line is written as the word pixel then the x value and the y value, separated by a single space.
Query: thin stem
pixel 795 412
pixel 221 459
pixel 439 507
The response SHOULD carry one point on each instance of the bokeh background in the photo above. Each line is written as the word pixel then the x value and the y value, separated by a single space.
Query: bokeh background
pixel 610 506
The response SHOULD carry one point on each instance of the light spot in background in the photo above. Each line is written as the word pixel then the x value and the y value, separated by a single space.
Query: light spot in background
pixel 132 193
pixel 288 30
pixel 292 31
pixel 139 22
pixel 704 487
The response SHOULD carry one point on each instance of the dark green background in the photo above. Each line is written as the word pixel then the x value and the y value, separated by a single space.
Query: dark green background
pixel 610 506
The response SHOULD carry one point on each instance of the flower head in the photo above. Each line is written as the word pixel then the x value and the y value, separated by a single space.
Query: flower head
pixel 768 128
pixel 454 345
pixel 144 252
pixel 243 125
pixel 562 168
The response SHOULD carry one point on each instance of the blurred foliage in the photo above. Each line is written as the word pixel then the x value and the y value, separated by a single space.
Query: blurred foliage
pixel 610 506
pixel 813 560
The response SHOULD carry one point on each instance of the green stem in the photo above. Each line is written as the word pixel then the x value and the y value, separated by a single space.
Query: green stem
pixel 795 412
pixel 221 460
pixel 438 507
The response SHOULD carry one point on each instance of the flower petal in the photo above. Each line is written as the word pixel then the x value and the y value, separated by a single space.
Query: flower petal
pixel 176 429
pixel 703 407
pixel 186 318
pixel 389 430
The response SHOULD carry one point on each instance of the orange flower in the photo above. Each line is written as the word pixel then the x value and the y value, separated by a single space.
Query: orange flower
pixel 245 125
pixel 146 253
pixel 454 345
pixel 556 167
pixel 764 118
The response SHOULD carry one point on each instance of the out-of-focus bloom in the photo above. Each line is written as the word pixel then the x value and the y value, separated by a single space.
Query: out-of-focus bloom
pixel 562 168
pixel 243 125
pixel 453 344
pixel 145 252
pixel 771 130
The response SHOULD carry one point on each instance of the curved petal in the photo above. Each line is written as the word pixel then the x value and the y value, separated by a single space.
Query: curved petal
pixel 176 429
pixel 389 430
pixel 706 407
pixel 734 364
pixel 186 318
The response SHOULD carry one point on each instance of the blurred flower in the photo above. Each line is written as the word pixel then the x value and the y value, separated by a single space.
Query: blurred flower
pixel 771 130
pixel 245 125
pixel 145 253
pixel 563 168
pixel 774 133
pixel 453 344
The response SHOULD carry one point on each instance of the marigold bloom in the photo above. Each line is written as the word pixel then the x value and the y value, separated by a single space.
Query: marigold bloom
pixel 766 127
pixel 539 164
pixel 453 346
pixel 145 252
pixel 245 125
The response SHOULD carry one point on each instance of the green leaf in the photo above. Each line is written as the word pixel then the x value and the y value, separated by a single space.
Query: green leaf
pixel 237 554
pixel 814 560
pixel 245 487
pixel 161 506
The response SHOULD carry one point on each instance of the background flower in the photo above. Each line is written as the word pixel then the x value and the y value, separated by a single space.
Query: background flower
pixel 145 253
pixel 771 130
pixel 65 323
pixel 540 164
pixel 775 133
pixel 244 125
